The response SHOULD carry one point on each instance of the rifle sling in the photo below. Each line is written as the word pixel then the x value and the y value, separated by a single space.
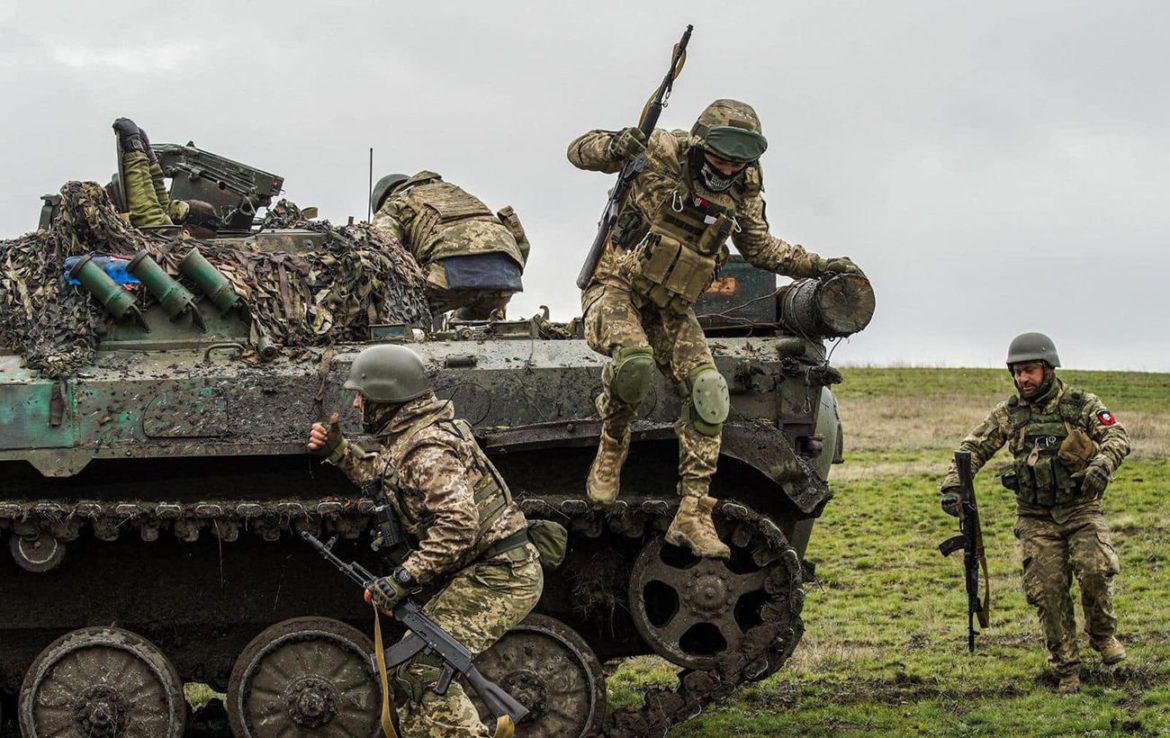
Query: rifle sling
pixel 389 712
pixel 985 607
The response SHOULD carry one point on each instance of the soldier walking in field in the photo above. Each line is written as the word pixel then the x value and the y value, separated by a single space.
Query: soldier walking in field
pixel 473 258
pixel 1065 447
pixel 697 190
pixel 449 497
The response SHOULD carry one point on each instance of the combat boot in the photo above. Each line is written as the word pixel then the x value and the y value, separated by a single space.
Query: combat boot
pixel 129 137
pixel 1069 684
pixel 694 528
pixel 604 479
pixel 1111 651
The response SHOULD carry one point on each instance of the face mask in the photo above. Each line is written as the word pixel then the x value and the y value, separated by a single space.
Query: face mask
pixel 711 177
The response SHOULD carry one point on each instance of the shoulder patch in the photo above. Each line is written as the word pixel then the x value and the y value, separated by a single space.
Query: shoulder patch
pixel 1106 417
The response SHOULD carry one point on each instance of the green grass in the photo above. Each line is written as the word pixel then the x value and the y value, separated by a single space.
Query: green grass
pixel 885 654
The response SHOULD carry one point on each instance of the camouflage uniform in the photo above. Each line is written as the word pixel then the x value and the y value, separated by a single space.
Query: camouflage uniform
pixel 663 252
pixel 1052 438
pixel 438 221
pixel 452 501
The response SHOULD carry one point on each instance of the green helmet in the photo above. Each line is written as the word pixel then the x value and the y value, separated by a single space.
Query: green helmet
pixel 389 374
pixel 731 130
pixel 1032 347
pixel 383 187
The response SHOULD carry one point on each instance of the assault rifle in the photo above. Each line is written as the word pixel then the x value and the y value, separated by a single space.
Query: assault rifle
pixel 970 539
pixel 630 171
pixel 235 190
pixel 427 636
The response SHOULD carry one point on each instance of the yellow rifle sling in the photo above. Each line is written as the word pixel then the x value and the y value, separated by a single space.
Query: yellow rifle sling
pixel 380 655
pixel 505 728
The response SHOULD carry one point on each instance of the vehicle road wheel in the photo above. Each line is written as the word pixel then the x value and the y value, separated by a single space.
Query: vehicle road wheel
pixel 305 677
pixel 102 683
pixel 551 670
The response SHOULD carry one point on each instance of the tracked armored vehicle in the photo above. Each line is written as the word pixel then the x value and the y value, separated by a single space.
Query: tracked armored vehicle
pixel 150 501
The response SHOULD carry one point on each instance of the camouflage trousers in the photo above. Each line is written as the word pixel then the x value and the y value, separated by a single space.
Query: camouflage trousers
pixel 613 321
pixel 147 203
pixel 1052 552
pixel 479 605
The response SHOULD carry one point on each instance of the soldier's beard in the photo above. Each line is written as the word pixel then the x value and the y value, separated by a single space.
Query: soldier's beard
pixel 1033 391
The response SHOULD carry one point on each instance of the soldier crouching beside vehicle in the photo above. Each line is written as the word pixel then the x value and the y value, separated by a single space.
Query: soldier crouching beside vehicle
pixel 450 498
pixel 473 259
pixel 1065 446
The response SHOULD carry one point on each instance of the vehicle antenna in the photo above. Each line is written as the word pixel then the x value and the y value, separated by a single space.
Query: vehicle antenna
pixel 370 190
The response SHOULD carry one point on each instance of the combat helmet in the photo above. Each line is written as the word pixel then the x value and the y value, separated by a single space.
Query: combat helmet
pixel 1032 347
pixel 731 130
pixel 383 187
pixel 388 374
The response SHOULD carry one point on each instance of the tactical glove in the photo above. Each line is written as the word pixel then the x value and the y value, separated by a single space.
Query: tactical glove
pixel 627 144
pixel 335 443
pixel 950 501
pixel 387 592
pixel 1094 480
pixel 837 265
pixel 129 137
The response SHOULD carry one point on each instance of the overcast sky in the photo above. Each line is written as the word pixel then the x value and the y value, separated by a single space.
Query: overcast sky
pixel 995 167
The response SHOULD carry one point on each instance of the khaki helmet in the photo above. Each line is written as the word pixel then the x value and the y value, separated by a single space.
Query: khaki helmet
pixel 1032 347
pixel 731 130
pixel 383 187
pixel 388 374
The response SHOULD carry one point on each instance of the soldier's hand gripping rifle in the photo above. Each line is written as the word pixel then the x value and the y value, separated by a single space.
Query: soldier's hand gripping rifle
pixel 646 123
pixel 427 636
pixel 970 539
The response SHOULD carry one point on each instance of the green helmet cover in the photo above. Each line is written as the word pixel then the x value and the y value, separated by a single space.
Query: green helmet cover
pixel 731 130
pixel 389 374
pixel 1032 347
pixel 383 187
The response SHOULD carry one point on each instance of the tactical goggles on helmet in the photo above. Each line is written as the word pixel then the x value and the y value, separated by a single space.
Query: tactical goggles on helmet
pixel 735 144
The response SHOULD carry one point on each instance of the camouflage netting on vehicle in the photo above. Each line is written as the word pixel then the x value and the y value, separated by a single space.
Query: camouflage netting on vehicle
pixel 317 298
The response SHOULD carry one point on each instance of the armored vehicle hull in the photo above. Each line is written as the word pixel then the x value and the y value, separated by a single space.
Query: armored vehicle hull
pixel 150 502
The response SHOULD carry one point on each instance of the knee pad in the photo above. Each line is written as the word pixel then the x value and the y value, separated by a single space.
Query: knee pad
pixel 631 373
pixel 709 400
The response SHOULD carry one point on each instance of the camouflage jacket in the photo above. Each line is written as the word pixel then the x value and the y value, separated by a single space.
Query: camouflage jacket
pixel 667 177
pixel 1084 411
pixel 436 220
pixel 432 475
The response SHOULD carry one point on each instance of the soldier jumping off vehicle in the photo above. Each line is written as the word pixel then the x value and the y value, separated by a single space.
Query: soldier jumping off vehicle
pixel 143 187
pixel 473 259
pixel 697 189
pixel 1065 447
pixel 450 498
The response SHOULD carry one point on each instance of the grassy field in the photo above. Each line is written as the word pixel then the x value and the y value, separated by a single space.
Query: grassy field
pixel 885 649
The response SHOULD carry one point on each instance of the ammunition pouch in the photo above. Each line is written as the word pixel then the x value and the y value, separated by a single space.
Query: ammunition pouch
pixel 1048 451
pixel 684 248
pixel 1009 479
pixel 411 678
pixel 551 540
pixel 629 228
